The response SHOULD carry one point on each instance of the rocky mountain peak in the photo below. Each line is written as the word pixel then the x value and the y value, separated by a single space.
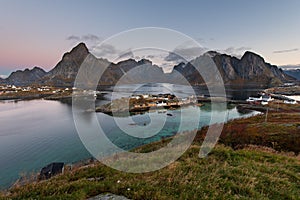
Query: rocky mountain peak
pixel 253 57
pixel 81 47
pixel 68 67
pixel 25 77
pixel 78 51
pixel 251 69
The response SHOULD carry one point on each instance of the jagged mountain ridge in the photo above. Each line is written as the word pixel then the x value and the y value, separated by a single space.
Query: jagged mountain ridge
pixel 25 77
pixel 250 69
pixel 70 63
pixel 65 72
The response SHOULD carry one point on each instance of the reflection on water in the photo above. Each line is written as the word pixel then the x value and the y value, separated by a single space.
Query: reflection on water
pixel 236 93
pixel 36 133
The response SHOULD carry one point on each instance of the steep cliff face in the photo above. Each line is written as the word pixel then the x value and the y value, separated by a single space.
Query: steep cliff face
pixel 254 69
pixel 66 70
pixel 133 72
pixel 251 69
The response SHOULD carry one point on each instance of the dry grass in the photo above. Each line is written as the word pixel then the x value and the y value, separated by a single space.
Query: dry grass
pixel 224 174
pixel 251 166
pixel 281 131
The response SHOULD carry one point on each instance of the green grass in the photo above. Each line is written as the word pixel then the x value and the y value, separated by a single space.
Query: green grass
pixel 247 173
pixel 224 174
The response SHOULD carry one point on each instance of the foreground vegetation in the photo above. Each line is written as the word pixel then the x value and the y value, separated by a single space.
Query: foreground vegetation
pixel 224 174
pixel 238 168
pixel 279 131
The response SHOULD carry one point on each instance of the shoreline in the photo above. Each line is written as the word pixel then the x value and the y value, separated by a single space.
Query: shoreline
pixel 79 160
pixel 66 97
pixel 91 163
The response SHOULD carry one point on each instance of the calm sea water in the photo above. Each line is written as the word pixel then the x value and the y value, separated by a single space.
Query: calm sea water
pixel 38 132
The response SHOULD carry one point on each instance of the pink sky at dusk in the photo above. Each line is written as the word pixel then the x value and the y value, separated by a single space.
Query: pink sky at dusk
pixel 28 57
pixel 34 33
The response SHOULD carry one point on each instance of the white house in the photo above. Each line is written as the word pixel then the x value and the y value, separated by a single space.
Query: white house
pixel 161 103
pixel 290 102
pixel 135 96
pixel 267 98
pixel 145 96
pixel 253 99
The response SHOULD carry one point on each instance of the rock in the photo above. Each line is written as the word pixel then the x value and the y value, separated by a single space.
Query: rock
pixel 64 73
pixel 251 69
pixel 26 77
pixel 108 197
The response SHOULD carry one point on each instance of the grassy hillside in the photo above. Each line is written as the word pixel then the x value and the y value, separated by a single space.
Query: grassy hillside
pixel 280 131
pixel 224 174
pixel 248 172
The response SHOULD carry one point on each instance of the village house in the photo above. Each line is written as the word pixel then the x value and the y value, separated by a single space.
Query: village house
pixel 136 97
pixel 161 103
pixel 152 104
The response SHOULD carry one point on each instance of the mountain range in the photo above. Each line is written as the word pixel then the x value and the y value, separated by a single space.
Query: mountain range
pixel 250 69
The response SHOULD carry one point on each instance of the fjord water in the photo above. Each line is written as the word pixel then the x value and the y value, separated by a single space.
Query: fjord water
pixel 33 134
pixel 38 132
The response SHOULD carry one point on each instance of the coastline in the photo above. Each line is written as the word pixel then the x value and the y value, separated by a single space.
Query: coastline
pixel 232 123
pixel 95 174
pixel 275 108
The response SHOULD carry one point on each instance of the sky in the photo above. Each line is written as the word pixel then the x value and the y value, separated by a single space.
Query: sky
pixel 37 33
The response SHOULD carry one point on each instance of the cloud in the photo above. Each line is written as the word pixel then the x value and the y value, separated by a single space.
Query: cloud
pixel 115 54
pixel 126 55
pixel 243 48
pixel 89 38
pixel 3 76
pixel 290 67
pixel 111 53
pixel 192 52
pixel 104 50
pixel 150 56
pixel 73 37
pixel 189 53
pixel 235 51
pixel 203 41
pixel 286 50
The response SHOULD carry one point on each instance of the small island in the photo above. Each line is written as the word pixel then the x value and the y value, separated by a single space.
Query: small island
pixel 146 102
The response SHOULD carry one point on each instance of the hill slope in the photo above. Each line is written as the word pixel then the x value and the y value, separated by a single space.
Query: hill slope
pixel 224 174
pixel 26 77
pixel 251 69
pixel 248 173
